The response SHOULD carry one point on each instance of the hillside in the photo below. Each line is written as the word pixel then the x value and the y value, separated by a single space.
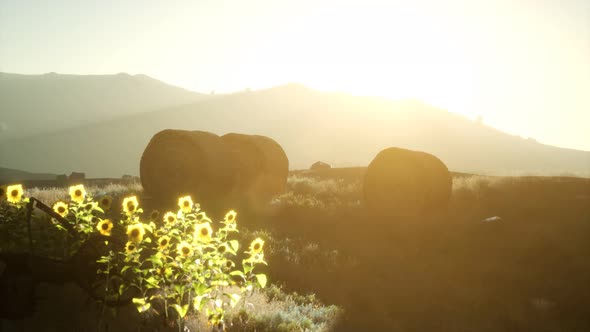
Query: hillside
pixel 340 129
pixel 35 104
pixel 8 175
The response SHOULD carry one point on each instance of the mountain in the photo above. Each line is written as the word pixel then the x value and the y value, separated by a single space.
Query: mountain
pixel 35 104
pixel 8 175
pixel 340 129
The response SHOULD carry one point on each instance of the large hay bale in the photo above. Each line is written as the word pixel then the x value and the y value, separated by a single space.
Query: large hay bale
pixel 179 162
pixel 319 165
pixel 406 183
pixel 262 165
pixel 441 182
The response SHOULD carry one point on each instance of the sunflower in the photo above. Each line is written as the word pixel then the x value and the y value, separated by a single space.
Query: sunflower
pixel 104 227
pixel 222 249
pixel 135 232
pixel 15 193
pixel 130 247
pixel 163 242
pixel 185 203
pixel 130 205
pixel 90 206
pixel 203 232
pixel 256 246
pixel 61 208
pixel 230 217
pixel 170 218
pixel 202 217
pixel 2 192
pixel 184 249
pixel 164 271
pixel 105 202
pixel 154 215
pixel 229 264
pixel 78 193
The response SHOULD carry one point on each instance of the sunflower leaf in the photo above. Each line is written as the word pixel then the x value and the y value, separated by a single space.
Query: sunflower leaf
pixel 261 280
pixel 234 245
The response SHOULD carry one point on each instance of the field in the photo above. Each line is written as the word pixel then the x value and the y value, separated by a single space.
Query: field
pixel 463 270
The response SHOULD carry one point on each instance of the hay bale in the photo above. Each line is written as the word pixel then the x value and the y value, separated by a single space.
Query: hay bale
pixel 441 182
pixel 262 165
pixel 180 162
pixel 406 183
pixel 318 165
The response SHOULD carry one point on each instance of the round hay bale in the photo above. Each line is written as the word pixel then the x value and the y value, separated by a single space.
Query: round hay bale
pixel 262 165
pixel 406 183
pixel 441 182
pixel 318 165
pixel 180 162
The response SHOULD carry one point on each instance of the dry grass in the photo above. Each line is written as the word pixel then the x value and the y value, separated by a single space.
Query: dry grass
pixel 52 195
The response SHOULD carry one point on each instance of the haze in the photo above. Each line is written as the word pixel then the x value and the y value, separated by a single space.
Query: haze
pixel 523 66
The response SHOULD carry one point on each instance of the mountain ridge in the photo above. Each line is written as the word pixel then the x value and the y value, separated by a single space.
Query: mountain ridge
pixel 337 128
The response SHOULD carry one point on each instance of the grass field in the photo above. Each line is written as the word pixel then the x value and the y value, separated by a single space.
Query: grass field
pixel 527 270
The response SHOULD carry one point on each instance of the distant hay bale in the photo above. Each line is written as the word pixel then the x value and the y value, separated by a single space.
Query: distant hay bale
pixel 180 162
pixel 261 164
pixel 441 182
pixel 318 165
pixel 406 183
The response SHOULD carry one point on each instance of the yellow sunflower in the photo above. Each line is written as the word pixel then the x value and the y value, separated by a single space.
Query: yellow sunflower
pixel 170 218
pixel 163 242
pixel 230 217
pixel 105 202
pixel 154 215
pixel 130 205
pixel 15 193
pixel 2 192
pixel 164 271
pixel 202 217
pixel 61 208
pixel 89 207
pixel 222 249
pixel 130 247
pixel 135 232
pixel 78 193
pixel 229 264
pixel 256 246
pixel 185 203
pixel 184 249
pixel 104 227
pixel 203 232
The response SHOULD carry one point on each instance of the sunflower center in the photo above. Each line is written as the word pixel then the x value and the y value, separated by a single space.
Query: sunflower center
pixel 61 209
pixel 135 233
pixel 170 219
pixel 228 264
pixel 186 204
pixel 185 250
pixel 204 231
pixel 163 242
pixel 105 226
pixel 78 192
pixel 257 246
pixel 14 193
pixel 131 247
pixel 130 206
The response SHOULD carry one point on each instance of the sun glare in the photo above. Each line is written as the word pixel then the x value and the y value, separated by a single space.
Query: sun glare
pixel 399 56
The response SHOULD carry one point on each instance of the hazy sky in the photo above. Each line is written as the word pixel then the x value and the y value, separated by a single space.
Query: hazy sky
pixel 523 65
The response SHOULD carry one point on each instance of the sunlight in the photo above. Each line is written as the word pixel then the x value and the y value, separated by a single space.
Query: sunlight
pixel 401 56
